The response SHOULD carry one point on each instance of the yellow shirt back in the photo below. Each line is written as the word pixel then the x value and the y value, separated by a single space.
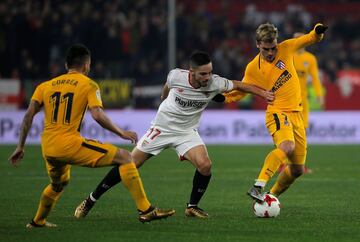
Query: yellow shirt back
pixel 65 100
pixel 305 65
pixel 280 75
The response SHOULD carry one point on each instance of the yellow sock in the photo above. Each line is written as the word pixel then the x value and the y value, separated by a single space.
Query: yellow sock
pixel 284 180
pixel 47 201
pixel 272 162
pixel 132 181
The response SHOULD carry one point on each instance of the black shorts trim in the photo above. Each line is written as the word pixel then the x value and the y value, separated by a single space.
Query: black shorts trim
pixel 277 121
pixel 92 147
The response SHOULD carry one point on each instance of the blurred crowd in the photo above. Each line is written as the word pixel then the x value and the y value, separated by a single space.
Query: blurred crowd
pixel 129 38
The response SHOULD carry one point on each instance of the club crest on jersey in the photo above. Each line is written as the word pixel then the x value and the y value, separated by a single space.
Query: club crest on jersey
pixel 179 89
pixel 144 143
pixel 280 64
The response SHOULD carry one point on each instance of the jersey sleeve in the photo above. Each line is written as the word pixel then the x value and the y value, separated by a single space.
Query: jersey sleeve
pixel 223 84
pixel 302 41
pixel 94 96
pixel 314 73
pixel 249 74
pixel 170 77
pixel 38 94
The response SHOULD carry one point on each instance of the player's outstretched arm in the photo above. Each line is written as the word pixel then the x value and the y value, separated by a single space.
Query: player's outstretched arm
pixel 229 97
pixel 315 35
pixel 18 154
pixel 248 88
pixel 101 118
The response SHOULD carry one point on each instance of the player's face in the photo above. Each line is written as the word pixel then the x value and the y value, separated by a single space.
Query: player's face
pixel 201 75
pixel 268 50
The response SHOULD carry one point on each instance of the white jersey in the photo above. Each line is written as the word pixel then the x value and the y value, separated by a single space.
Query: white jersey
pixel 181 110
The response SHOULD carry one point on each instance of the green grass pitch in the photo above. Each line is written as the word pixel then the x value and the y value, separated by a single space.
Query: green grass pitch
pixel 322 206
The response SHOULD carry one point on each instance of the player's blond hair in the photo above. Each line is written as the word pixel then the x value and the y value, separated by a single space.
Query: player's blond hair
pixel 266 33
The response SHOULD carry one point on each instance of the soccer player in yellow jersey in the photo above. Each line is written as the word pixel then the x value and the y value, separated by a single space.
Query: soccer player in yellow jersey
pixel 65 100
pixel 273 69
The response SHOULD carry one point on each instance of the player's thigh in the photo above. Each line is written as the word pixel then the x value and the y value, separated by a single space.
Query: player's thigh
pixel 191 147
pixel 139 157
pixel 154 141
pixel 279 127
pixel 94 154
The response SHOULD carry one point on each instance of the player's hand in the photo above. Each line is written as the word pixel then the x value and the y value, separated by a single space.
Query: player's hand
pixel 219 98
pixel 130 135
pixel 269 96
pixel 320 29
pixel 17 156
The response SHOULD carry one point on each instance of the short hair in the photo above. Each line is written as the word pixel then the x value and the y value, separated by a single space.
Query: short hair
pixel 199 58
pixel 266 33
pixel 77 55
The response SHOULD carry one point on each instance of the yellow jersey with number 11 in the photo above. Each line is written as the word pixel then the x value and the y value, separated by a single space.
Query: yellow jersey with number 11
pixel 65 100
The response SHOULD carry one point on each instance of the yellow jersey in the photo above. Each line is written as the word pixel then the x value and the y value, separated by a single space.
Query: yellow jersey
pixel 65 100
pixel 305 65
pixel 278 76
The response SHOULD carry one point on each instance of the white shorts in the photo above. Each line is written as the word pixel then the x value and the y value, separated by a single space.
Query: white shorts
pixel 155 140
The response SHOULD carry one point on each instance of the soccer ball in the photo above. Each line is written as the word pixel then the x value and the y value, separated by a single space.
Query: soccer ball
pixel 270 208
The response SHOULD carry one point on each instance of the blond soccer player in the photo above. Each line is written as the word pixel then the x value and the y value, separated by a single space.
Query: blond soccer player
pixel 64 100
pixel 273 69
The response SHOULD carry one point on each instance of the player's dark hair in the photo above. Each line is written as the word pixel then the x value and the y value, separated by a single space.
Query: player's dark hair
pixel 199 58
pixel 77 55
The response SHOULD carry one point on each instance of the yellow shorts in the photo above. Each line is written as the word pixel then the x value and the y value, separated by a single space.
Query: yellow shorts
pixel 284 126
pixel 90 153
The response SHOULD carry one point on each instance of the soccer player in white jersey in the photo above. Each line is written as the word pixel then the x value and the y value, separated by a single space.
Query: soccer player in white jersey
pixel 185 95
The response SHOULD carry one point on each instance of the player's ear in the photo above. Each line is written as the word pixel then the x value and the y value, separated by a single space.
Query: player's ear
pixel 191 70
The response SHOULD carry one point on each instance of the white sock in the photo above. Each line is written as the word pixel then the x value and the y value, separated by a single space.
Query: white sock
pixel 92 198
pixel 260 183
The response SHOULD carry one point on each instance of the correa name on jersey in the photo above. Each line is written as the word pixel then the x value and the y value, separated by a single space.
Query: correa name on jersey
pixel 189 103
pixel 62 82
pixel 284 77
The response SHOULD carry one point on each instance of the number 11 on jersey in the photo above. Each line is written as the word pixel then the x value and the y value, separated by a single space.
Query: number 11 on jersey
pixel 56 99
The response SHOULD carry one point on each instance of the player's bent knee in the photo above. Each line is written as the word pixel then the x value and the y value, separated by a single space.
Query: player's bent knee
pixel 122 157
pixel 205 168
pixel 58 187
pixel 297 172
pixel 288 147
